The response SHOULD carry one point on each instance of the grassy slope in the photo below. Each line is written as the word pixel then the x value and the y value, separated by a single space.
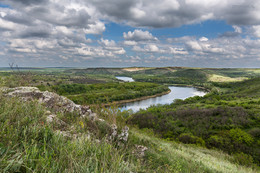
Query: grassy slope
pixel 29 144
pixel 186 158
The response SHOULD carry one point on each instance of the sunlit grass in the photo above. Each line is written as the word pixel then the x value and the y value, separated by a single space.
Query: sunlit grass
pixel 219 78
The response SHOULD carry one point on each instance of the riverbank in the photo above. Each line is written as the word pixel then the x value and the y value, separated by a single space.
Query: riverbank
pixel 133 100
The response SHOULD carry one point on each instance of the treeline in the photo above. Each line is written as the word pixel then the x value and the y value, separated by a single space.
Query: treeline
pixel 183 76
pixel 108 92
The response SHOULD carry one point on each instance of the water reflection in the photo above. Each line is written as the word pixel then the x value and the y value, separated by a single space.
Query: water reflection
pixel 176 93
pixel 126 79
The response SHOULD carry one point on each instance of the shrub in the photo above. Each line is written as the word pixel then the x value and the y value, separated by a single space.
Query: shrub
pixel 239 136
pixel 243 159
pixel 215 141
pixel 255 132
pixel 188 138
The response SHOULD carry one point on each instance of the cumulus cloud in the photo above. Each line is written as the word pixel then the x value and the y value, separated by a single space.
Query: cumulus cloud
pixel 174 13
pixel 97 28
pixel 139 35
pixel 58 30
pixel 256 31
pixel 203 39
pixel 148 48
pixel 130 43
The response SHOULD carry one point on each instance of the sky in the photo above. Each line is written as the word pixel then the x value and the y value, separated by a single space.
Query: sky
pixel 126 33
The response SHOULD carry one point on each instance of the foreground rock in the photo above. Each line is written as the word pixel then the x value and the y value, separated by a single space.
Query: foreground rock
pixel 57 103
pixel 52 100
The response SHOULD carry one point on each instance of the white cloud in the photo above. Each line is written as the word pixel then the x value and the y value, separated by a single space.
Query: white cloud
pixel 107 43
pixel 203 39
pixel 130 43
pixel 193 45
pixel 139 35
pixel 120 52
pixel 180 51
pixel 256 30
pixel 237 29
pixel 43 30
pixel 97 28
pixel 6 25
pixel 151 48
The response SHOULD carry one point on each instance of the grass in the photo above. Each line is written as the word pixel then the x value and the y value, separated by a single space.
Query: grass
pixel 166 156
pixel 29 144
pixel 219 78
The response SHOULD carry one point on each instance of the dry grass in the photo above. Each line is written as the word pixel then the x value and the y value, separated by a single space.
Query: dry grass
pixel 130 69
pixel 219 78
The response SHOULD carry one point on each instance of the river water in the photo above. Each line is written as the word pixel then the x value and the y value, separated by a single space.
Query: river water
pixel 176 93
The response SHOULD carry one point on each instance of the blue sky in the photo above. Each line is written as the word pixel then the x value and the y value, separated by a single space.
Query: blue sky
pixel 120 33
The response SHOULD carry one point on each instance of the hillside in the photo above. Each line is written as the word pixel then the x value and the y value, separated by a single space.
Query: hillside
pixel 215 133
pixel 228 120
pixel 30 143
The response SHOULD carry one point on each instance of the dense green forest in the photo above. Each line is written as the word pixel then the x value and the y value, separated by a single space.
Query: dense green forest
pixel 108 92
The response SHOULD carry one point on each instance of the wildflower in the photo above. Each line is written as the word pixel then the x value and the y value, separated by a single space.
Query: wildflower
pixel 81 124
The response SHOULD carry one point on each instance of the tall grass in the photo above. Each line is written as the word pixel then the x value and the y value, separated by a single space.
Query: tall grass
pixel 29 144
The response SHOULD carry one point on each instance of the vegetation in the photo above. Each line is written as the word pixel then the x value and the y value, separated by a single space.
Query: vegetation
pixel 109 92
pixel 29 144
pixel 219 132
pixel 228 120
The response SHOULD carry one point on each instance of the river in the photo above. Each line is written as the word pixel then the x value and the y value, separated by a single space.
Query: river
pixel 176 93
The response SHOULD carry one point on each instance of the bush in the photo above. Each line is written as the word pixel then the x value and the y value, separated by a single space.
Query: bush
pixel 215 141
pixel 243 159
pixel 255 132
pixel 240 137
pixel 188 138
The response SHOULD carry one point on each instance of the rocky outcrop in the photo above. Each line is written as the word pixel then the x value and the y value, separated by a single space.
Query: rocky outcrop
pixel 52 100
pixel 57 103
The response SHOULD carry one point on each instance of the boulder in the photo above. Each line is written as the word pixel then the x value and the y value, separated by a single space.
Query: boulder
pixel 52 100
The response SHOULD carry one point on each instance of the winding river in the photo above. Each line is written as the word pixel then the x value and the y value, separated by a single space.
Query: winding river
pixel 176 93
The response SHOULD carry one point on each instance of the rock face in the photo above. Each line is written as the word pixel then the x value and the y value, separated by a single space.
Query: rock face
pixel 52 100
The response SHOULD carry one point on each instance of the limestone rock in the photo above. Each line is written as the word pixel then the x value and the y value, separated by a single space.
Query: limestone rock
pixel 120 138
pixel 50 99
pixel 114 132
pixel 123 136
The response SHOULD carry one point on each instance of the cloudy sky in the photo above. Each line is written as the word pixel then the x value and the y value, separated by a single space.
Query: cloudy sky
pixel 116 33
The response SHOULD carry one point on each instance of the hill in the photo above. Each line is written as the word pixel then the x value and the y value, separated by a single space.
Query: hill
pixel 228 120
pixel 31 143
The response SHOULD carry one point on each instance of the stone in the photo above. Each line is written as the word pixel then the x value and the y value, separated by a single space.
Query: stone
pixel 50 118
pixel 123 136
pixel 114 132
pixel 50 100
